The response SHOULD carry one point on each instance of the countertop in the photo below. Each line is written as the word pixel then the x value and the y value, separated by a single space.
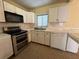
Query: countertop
pixel 74 33
pixel 74 36
pixel 3 35
pixel 58 30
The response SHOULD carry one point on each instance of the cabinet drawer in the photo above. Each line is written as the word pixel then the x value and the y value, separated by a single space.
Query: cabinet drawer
pixel 58 34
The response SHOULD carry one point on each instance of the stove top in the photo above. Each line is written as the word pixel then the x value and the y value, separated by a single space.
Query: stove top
pixel 17 33
pixel 13 30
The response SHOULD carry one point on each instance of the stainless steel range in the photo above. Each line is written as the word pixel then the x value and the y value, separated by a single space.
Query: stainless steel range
pixel 19 38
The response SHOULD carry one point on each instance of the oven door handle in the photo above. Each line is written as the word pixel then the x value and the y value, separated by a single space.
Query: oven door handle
pixel 20 34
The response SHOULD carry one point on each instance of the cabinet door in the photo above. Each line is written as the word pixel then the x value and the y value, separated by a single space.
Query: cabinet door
pixel 58 40
pixel 29 36
pixel 34 36
pixel 53 14
pixel 27 16
pixel 47 38
pixel 41 37
pixel 9 7
pixel 30 17
pixel 2 17
pixel 19 11
pixel 63 13
pixel 5 5
pixel 24 16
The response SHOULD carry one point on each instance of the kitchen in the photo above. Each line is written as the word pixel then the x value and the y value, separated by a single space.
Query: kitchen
pixel 57 32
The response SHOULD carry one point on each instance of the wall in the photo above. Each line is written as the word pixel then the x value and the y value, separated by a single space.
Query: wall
pixel 45 9
pixel 73 6
pixel 73 12
pixel 22 25
pixel 18 5
pixel 73 21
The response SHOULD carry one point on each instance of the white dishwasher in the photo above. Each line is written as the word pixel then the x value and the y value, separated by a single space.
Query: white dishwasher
pixel 58 40
pixel 6 49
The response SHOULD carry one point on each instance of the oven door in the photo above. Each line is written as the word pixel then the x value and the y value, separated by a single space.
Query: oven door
pixel 19 41
pixel 22 37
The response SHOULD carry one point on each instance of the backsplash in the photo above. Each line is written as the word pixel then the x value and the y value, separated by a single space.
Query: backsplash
pixel 55 24
pixel 22 25
pixel 26 26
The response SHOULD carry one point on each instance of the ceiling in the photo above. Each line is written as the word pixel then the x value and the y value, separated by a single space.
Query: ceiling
pixel 35 3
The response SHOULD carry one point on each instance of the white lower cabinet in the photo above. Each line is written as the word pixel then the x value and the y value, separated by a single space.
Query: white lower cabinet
pixel 34 36
pixel 72 46
pixel 58 40
pixel 29 36
pixel 47 37
pixel 38 37
pixel 41 37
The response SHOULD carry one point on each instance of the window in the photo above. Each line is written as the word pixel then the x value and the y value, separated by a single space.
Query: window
pixel 42 21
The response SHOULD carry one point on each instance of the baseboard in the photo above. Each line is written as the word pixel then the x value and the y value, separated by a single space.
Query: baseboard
pixel 11 56
pixel 28 45
pixel 40 44
pixel 18 53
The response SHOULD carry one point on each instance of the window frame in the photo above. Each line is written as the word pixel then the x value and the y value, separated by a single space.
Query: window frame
pixel 42 21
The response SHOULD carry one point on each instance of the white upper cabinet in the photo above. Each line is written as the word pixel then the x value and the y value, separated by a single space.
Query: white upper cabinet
pixel 30 17
pixel 27 16
pixel 21 12
pixel 63 13
pixel 58 14
pixel 9 7
pixel 53 14
pixel 2 18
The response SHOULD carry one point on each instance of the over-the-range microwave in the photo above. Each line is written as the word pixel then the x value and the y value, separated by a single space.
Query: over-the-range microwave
pixel 13 17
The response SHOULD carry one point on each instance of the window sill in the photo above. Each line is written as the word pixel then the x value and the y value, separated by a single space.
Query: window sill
pixel 36 28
